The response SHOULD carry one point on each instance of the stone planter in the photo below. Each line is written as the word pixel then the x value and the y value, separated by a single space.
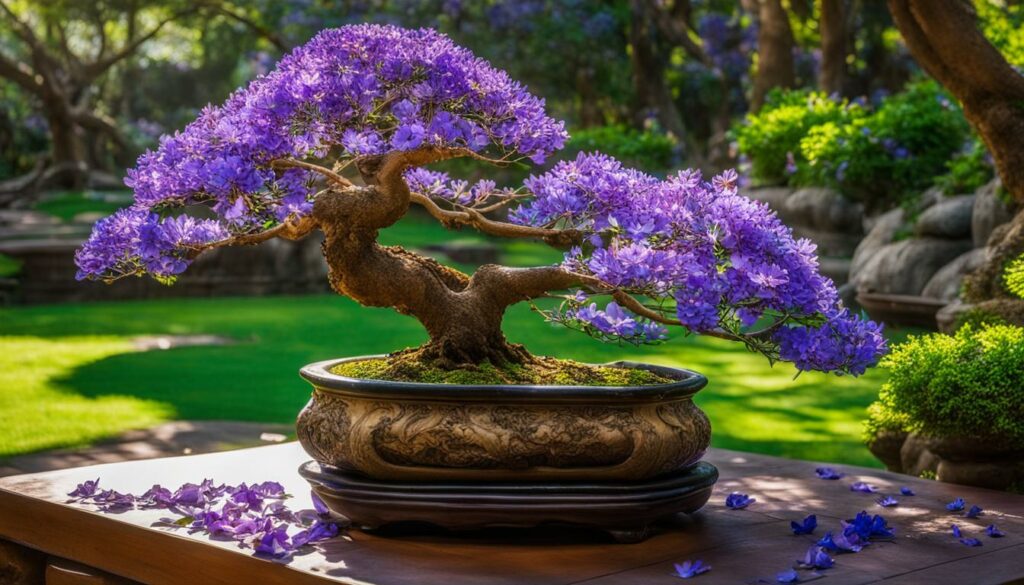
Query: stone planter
pixel 621 459
pixel 983 462
pixel 435 432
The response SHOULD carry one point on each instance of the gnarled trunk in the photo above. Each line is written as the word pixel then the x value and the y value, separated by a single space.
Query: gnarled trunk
pixel 461 314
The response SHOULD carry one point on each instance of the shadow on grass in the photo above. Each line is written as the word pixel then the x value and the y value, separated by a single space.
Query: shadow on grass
pixel 752 406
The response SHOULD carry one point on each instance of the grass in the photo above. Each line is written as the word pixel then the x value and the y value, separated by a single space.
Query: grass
pixel 69 374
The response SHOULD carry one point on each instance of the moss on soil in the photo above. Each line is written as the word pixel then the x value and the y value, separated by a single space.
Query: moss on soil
pixel 545 371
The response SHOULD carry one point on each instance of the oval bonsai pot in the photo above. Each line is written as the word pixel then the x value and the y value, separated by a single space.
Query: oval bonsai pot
pixel 403 431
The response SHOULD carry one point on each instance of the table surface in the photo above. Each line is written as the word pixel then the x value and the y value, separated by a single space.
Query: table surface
pixel 742 546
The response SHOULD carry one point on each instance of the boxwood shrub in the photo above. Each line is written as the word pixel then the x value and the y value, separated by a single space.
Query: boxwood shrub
pixel 970 384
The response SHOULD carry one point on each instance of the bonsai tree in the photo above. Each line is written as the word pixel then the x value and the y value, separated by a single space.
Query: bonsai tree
pixel 337 139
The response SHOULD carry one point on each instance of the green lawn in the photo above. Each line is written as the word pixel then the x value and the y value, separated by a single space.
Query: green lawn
pixel 69 374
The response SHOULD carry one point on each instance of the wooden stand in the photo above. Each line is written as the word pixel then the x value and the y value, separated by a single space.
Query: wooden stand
pixel 627 511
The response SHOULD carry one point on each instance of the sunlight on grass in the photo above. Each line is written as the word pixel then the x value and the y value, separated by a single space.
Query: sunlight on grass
pixel 36 412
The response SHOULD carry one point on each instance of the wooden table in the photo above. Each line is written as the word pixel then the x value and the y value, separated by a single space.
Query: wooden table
pixel 742 545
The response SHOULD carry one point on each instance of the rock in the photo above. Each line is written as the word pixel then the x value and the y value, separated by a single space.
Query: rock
pixel 848 296
pixel 989 211
pixel 950 219
pixel 887 446
pixel 946 283
pixel 883 230
pixel 929 198
pixel 948 317
pixel 997 475
pixel 775 197
pixel 916 457
pixel 905 267
pixel 824 209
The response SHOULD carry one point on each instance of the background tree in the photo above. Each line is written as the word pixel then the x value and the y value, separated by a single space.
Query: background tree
pixel 946 41
pixel 62 55
pixel 775 44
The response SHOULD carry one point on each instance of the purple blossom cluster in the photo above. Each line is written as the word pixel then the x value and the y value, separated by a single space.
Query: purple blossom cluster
pixel 253 515
pixel 716 259
pixel 363 90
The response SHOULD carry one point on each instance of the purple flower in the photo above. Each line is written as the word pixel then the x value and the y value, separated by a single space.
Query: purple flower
pixel 254 515
pixel 408 137
pixel 994 532
pixel 970 542
pixel 85 489
pixel 974 512
pixel 807 526
pixel 956 505
pixel 319 505
pixel 816 558
pixel 906 491
pixel 965 541
pixel 828 473
pixel 864 488
pixel 845 541
pixel 866 526
pixel 275 543
pixel 738 501
pixel 888 502
pixel 787 576
pixel 688 569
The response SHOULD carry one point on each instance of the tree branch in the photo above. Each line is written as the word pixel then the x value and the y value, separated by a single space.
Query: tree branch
pixel 324 171
pixel 274 38
pixel 291 229
pixel 476 219
pixel 93 70
pixel 21 74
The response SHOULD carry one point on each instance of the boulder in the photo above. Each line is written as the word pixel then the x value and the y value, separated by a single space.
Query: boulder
pixel 775 197
pixel 989 212
pixel 946 283
pixel 883 230
pixel 905 267
pixel 950 218
pixel 948 317
pixel 916 457
pixel 824 209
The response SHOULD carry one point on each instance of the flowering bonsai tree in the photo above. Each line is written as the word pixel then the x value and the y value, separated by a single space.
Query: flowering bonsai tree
pixel 338 139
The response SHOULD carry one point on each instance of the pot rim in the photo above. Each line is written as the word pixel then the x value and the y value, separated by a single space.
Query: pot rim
pixel 686 384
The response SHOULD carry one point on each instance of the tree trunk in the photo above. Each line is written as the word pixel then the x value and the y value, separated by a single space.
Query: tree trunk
pixel 775 46
pixel 945 40
pixel 833 47
pixel 462 315
pixel 652 94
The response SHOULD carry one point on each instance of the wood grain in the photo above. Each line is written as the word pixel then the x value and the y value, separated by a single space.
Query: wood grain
pixel 742 546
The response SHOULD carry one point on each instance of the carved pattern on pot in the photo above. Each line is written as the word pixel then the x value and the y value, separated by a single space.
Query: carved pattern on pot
pixel 432 440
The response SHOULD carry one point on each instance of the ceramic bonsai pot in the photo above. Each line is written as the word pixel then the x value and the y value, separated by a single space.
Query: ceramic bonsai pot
pixel 460 456
pixel 402 431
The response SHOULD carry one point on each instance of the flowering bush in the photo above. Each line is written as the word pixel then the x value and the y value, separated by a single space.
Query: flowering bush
pixel 386 102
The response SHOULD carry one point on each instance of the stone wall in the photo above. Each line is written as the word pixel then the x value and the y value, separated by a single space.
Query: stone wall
pixel 275 267
pixel 928 255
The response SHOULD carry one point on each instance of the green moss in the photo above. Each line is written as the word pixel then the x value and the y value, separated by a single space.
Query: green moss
pixel 970 384
pixel 545 371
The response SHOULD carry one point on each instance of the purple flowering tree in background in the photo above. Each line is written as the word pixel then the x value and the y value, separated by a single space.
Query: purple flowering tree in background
pixel 337 139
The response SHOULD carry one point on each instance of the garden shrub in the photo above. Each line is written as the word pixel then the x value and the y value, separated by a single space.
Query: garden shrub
pixel 968 170
pixel 878 156
pixel 771 138
pixel 645 149
pixel 1014 277
pixel 970 384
